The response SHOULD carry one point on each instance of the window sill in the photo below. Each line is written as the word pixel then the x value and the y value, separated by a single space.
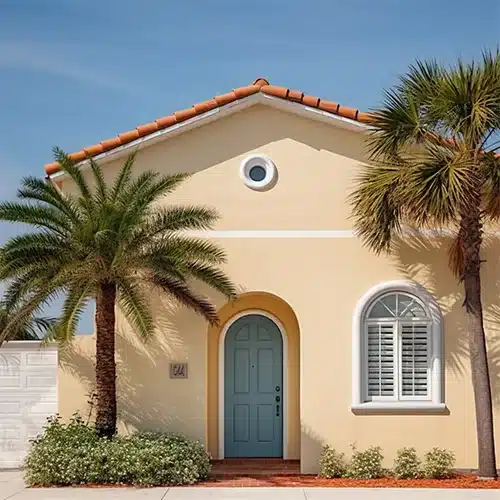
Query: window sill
pixel 401 407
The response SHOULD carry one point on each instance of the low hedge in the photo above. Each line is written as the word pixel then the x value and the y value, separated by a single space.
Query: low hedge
pixel 72 453
pixel 367 464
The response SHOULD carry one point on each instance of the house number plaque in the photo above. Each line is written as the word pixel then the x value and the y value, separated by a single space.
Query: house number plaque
pixel 178 370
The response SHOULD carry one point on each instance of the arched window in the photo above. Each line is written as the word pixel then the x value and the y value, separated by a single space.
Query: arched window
pixel 397 349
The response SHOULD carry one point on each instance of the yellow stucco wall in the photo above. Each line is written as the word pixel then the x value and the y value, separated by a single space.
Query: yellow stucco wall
pixel 318 280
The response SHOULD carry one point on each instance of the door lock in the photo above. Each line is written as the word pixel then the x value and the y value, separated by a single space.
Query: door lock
pixel 277 410
pixel 278 399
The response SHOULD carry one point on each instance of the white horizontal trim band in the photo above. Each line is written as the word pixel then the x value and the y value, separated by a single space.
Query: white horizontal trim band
pixel 273 233
pixel 301 233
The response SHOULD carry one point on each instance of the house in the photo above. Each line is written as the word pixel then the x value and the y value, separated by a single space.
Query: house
pixel 327 342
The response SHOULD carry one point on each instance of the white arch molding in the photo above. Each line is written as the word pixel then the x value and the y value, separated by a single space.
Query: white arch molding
pixel 436 404
pixel 222 339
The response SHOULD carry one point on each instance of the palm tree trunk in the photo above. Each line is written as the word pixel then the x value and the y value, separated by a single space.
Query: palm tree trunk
pixel 471 236
pixel 105 361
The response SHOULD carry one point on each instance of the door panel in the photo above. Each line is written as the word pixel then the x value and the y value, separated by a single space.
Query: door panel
pixel 253 372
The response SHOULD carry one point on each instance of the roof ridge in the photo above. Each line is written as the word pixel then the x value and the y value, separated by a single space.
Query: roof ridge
pixel 259 85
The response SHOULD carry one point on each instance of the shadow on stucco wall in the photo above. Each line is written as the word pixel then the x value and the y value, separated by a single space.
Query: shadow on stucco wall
pixel 147 398
pixel 425 260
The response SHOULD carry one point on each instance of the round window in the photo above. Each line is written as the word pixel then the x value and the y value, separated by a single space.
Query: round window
pixel 258 172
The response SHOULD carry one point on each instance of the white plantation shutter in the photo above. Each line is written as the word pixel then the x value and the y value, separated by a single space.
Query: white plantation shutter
pixel 398 343
pixel 381 359
pixel 414 359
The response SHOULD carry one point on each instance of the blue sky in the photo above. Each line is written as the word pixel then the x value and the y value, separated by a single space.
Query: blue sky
pixel 74 72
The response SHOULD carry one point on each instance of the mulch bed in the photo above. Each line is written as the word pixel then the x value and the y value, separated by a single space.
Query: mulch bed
pixel 311 481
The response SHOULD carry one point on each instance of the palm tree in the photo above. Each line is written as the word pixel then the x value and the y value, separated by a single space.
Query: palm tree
pixel 32 328
pixel 434 165
pixel 114 244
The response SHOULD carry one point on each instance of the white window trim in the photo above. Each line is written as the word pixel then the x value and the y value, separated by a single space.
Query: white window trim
pixel 436 403
pixel 262 161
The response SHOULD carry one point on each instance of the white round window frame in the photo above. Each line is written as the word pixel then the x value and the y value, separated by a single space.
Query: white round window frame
pixel 258 161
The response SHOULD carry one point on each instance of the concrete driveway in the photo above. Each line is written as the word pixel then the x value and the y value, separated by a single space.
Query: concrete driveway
pixel 12 487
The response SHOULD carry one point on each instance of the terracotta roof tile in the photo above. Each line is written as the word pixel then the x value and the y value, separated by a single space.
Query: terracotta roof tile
pixel 147 128
pixel 225 98
pixel 242 92
pixel 260 82
pixel 309 100
pixel 364 117
pixel 203 107
pixel 185 114
pixel 166 121
pixel 259 85
pixel 348 112
pixel 275 91
pixel 111 143
pixel 330 106
pixel 129 136
pixel 78 156
pixel 295 95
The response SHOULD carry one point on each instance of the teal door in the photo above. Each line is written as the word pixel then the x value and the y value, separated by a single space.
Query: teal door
pixel 253 389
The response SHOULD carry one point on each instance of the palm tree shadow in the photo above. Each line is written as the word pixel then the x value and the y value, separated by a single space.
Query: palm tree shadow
pixel 148 399
pixel 425 260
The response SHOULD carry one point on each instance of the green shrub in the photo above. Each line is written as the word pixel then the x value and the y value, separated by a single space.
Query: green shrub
pixel 438 463
pixel 366 464
pixel 331 463
pixel 407 465
pixel 73 453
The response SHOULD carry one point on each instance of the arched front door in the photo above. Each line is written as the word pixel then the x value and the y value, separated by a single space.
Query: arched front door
pixel 253 388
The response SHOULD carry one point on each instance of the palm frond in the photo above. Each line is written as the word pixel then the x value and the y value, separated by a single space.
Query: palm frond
pixel 136 308
pixel 179 247
pixel 28 308
pixel 39 216
pixel 440 183
pixel 181 291
pixel 77 299
pixel 37 328
pixel 215 278
pixel 101 190
pixel 124 176
pixel 175 218
pixel 490 164
pixel 68 165
pixel 377 207
pixel 35 189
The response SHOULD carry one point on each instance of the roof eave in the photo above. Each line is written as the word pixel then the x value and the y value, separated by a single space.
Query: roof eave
pixel 220 112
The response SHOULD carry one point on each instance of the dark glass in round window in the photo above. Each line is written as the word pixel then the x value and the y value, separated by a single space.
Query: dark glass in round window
pixel 257 173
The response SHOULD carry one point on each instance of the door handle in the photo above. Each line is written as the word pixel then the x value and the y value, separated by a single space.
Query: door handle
pixel 277 410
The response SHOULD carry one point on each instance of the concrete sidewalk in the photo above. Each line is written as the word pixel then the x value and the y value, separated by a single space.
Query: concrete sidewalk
pixel 12 487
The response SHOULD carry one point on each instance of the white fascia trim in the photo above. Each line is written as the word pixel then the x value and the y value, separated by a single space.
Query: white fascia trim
pixel 214 114
pixel 358 368
pixel 314 113
pixel 398 407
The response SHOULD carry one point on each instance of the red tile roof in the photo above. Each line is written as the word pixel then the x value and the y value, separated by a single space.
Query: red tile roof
pixel 259 85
